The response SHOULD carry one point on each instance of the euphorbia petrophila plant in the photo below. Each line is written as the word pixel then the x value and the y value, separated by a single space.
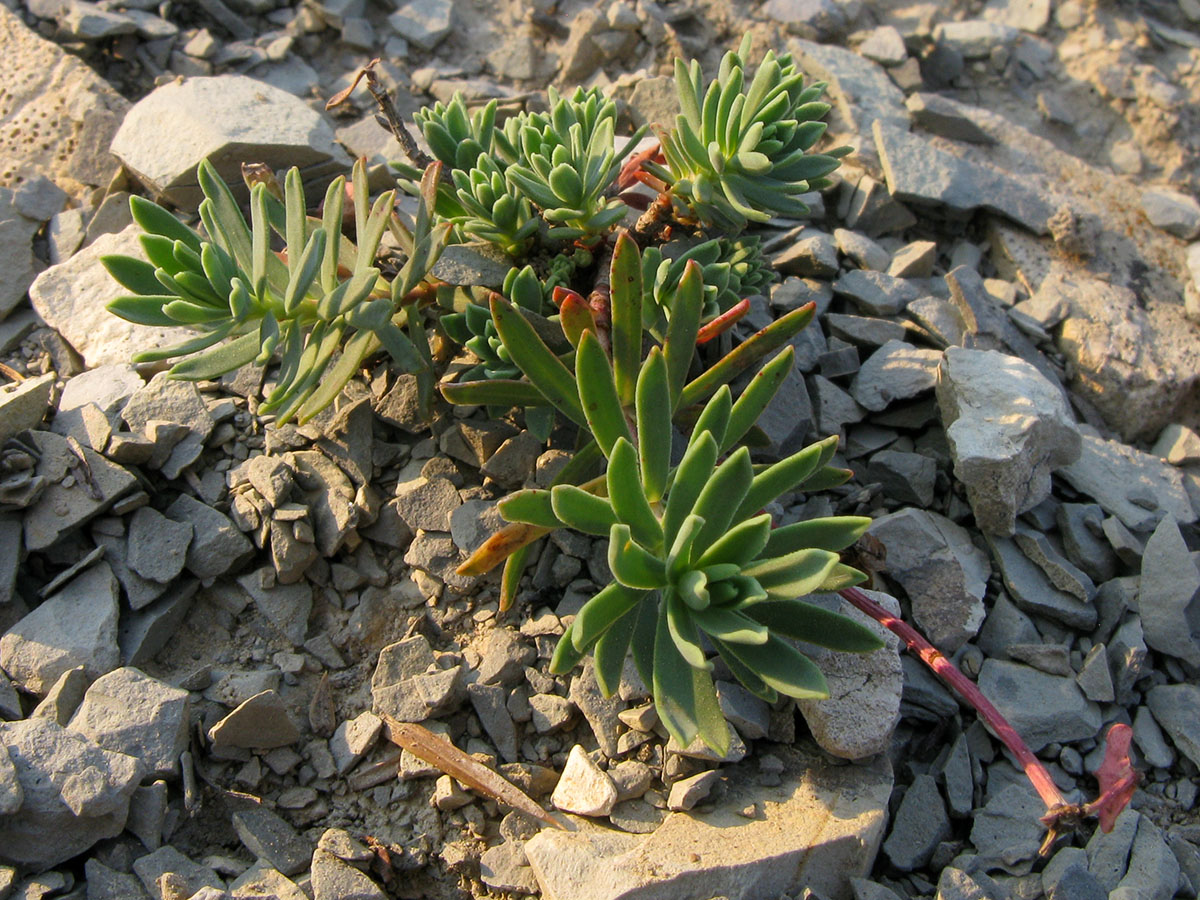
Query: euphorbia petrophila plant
pixel 692 557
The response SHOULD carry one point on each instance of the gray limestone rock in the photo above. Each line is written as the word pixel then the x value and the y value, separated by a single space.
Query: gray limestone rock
pixel 943 573
pixel 129 712
pixel 24 404
pixel 600 711
pixel 16 252
pixel 427 503
pixel 423 22
pixel 1172 211
pixel 1007 830
pixel 857 719
pixel 268 837
pixel 259 881
pixel 226 119
pixel 261 723
pixel 1137 488
pixel 73 790
pixel 1038 548
pixel 918 172
pixel 942 115
pixel 72 297
pixel 975 38
pixel 157 545
pixel 1033 591
pixel 1168 585
pixel 875 293
pixel 1153 870
pixel 333 879
pixel 217 545
pixel 896 371
pixel 1136 363
pixel 920 825
pixel 907 478
pixel 1108 854
pixel 286 606
pixel 503 868
pixel 884 45
pixel 584 788
pixel 192 876
pixel 1042 708
pixel 69 499
pixel 489 704
pixel 861 90
pixel 75 627
pixel 166 399
pixel 823 827
pixel 1174 706
pixel 1008 428
pixel 1081 527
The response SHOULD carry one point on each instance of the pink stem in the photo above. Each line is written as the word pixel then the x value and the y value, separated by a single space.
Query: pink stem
pixel 968 690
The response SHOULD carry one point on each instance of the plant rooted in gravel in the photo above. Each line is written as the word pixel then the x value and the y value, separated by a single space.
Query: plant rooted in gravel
pixel 322 303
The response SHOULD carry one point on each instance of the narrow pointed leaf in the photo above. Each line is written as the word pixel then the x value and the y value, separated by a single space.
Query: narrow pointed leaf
pixel 156 220
pixel 653 402
pixel 689 479
pixel 136 275
pixel 582 510
pixel 831 533
pixel 510 580
pixel 493 392
pixel 611 650
pixel 719 498
pixel 598 394
pixel 143 310
pixel 628 498
pixel 679 560
pixel 680 345
pixel 747 353
pixel 756 396
pixel 537 361
pixel 782 667
pixel 813 624
pixel 626 285
pixel 785 475
pixel 601 612
pixel 219 360
pixel 799 573
pixel 714 418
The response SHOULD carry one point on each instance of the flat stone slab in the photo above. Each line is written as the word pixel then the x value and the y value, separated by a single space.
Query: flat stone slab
pixel 1134 486
pixel 819 828
pixel 72 298
pixel 919 172
pixel 229 119
pixel 1138 364
pixel 53 101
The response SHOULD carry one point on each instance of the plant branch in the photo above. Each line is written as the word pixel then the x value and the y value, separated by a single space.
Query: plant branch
pixel 1060 814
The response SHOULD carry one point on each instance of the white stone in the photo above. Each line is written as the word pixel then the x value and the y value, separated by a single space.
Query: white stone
pixel 584 788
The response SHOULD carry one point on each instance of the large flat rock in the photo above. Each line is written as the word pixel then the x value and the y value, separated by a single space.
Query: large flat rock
pixel 72 298
pixel 229 119
pixel 821 827
pixel 57 116
pixel 919 172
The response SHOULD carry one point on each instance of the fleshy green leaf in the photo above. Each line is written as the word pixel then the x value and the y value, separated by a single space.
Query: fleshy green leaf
pixel 582 510
pixel 830 533
pixel 601 612
pixel 545 370
pixel 653 402
pixel 631 564
pixel 780 666
pixel 533 507
pixel 813 624
pixel 598 394
pixel 629 499
pixel 626 286
pixel 790 576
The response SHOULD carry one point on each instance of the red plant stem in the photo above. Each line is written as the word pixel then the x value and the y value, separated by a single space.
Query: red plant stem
pixel 967 689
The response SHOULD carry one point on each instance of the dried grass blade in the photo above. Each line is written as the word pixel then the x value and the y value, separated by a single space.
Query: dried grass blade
pixel 423 743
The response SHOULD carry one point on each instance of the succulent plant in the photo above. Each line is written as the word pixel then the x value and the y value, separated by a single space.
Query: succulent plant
pixel 321 296
pixel 689 551
pixel 732 269
pixel 739 152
